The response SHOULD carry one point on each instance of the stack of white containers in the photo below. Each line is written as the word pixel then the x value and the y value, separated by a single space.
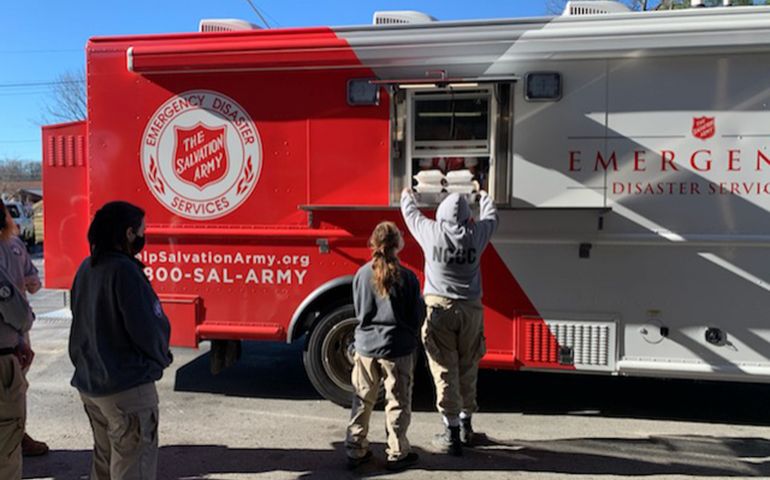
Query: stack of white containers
pixel 429 181
pixel 460 181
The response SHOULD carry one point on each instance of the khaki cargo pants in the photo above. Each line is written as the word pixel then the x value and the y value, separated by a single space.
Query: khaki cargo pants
pixel 453 335
pixel 125 428
pixel 13 414
pixel 398 377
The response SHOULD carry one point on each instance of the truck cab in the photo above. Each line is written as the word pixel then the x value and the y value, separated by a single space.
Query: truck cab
pixel 23 218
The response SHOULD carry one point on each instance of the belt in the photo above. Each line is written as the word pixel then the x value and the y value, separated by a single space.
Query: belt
pixel 7 351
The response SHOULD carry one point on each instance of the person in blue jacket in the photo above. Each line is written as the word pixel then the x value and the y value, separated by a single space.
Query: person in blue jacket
pixel 119 345
pixel 389 309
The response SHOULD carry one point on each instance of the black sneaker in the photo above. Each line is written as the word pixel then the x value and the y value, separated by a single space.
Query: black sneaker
pixel 409 460
pixel 449 441
pixel 466 432
pixel 357 462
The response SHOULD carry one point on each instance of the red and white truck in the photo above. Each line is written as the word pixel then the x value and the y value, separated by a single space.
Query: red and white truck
pixel 628 154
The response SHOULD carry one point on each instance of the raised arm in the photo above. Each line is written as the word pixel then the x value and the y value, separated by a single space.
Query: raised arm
pixel 487 223
pixel 419 225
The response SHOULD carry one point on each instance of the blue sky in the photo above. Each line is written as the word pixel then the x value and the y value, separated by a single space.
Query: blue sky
pixel 41 40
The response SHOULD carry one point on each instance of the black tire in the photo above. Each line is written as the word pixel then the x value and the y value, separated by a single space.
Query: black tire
pixel 329 355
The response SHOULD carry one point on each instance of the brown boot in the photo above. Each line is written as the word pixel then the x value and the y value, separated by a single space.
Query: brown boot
pixel 32 448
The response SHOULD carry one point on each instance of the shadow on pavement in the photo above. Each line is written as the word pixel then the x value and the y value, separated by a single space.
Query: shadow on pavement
pixel 275 370
pixel 265 370
pixel 624 397
pixel 686 455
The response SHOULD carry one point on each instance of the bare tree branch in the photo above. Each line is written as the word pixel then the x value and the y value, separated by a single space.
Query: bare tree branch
pixel 67 101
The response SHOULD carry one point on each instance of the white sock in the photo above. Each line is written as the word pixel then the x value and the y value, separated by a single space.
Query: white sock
pixel 451 420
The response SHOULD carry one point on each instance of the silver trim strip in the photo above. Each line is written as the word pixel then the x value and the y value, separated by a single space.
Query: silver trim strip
pixel 130 59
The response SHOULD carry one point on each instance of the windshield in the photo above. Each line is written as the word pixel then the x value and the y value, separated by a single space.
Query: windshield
pixel 13 210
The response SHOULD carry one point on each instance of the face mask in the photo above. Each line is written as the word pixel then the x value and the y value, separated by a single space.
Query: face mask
pixel 137 245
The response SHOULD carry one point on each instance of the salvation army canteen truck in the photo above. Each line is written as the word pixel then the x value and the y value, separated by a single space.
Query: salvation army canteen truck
pixel 628 154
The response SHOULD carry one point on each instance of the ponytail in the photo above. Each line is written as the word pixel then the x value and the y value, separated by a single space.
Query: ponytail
pixel 385 243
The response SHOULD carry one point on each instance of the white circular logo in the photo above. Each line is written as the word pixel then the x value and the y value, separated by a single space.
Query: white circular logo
pixel 6 292
pixel 201 154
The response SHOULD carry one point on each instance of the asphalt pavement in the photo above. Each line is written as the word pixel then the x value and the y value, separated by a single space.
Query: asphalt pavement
pixel 263 419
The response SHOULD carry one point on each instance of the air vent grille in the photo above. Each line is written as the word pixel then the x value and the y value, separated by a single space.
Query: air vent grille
pixel 225 25
pixel 401 17
pixel 591 344
pixel 593 7
pixel 66 151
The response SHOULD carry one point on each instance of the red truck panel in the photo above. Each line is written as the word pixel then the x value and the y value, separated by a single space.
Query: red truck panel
pixel 244 271
pixel 65 214
pixel 309 137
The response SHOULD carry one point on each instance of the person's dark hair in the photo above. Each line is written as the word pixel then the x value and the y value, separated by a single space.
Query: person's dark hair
pixel 8 227
pixel 107 232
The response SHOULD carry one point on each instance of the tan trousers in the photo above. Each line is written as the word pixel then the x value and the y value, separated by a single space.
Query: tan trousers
pixel 125 428
pixel 398 376
pixel 453 335
pixel 13 414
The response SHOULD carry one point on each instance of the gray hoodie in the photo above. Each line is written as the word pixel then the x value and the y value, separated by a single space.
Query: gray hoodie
pixel 452 244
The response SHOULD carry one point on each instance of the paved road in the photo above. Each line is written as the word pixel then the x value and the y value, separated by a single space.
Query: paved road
pixel 262 419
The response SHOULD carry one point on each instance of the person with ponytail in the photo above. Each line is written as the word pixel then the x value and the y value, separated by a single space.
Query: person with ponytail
pixel 389 309
pixel 17 278
pixel 119 345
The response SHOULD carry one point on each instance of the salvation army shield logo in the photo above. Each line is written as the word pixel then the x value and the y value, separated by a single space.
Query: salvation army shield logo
pixel 201 154
pixel 703 127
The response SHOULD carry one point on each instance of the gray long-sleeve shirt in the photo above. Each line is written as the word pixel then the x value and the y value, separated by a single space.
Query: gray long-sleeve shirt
pixel 387 326
pixel 15 260
pixel 452 244
pixel 119 336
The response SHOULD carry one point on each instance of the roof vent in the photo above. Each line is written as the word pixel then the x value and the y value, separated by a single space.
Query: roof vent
pixel 401 17
pixel 225 25
pixel 593 7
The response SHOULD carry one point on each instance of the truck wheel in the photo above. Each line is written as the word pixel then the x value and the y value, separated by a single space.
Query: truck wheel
pixel 329 355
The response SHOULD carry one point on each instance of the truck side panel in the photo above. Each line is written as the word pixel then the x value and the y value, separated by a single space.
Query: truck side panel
pixel 66 213
pixel 264 253
pixel 682 169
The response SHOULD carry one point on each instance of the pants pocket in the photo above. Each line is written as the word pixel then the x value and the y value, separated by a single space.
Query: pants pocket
pixel 149 426
pixel 11 433
pixel 13 385
pixel 481 348
pixel 430 344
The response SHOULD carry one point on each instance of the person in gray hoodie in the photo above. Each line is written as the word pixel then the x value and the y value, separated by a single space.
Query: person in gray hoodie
pixel 119 345
pixel 453 332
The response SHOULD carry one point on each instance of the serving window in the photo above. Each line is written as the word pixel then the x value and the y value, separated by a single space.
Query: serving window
pixel 448 140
